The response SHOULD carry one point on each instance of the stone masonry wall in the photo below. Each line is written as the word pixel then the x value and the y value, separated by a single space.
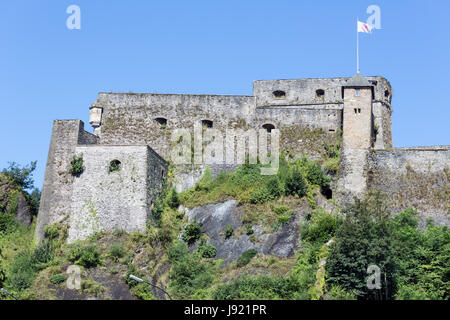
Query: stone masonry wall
pixel 106 201
pixel 414 177
pixel 57 188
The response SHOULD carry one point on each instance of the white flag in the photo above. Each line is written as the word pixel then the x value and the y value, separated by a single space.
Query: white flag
pixel 364 27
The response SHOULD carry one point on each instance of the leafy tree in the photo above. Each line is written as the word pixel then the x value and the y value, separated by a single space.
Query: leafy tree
pixel 422 258
pixel 364 239
pixel 21 176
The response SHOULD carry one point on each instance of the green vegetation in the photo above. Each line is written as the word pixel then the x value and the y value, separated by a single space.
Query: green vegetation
pixel 21 177
pixel 113 166
pixel 229 230
pixel 189 273
pixel 206 250
pixel 247 185
pixel 414 262
pixel 86 256
pixel 117 251
pixel 26 264
pixel 263 287
pixel 76 165
pixel 192 233
pixel 58 278
pixel 333 156
pixel 173 200
pixel 245 258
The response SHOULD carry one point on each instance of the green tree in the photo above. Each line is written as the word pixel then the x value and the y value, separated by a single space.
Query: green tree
pixel 363 239
pixel 21 176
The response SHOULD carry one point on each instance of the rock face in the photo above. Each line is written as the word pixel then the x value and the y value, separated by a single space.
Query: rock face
pixel 23 215
pixel 214 218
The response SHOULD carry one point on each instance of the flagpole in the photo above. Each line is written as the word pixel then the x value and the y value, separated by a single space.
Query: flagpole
pixel 357 46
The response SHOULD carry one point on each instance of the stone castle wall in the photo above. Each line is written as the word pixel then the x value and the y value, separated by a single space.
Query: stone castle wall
pixel 57 189
pixel 104 200
pixel 414 177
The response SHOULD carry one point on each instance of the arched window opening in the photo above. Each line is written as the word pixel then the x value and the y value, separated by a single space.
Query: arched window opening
pixel 278 94
pixel 269 127
pixel 162 122
pixel 387 93
pixel 320 93
pixel 115 165
pixel 207 124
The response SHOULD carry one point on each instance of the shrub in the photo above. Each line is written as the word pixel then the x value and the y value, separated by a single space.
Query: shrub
pixel 207 250
pixel 177 252
pixel 296 184
pixel 87 257
pixel 228 231
pixel 173 200
pixel 76 165
pixel 315 175
pixel 58 278
pixel 260 195
pixel 321 227
pixel 192 233
pixel 116 251
pixel 114 166
pixel 142 291
pixel 52 231
pixel 246 257
pixel 274 187
pixel 249 230
pixel 188 272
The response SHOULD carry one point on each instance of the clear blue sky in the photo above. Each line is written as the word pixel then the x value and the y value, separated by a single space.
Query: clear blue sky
pixel 48 72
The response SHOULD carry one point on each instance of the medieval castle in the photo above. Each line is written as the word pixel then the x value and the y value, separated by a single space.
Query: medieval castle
pixel 132 131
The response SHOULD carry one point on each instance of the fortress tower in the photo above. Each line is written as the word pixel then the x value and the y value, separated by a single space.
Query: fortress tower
pixel 357 136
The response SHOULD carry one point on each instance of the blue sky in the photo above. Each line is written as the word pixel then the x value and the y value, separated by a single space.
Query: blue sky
pixel 49 72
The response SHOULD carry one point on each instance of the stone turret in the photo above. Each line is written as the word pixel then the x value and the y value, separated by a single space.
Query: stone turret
pixel 358 94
